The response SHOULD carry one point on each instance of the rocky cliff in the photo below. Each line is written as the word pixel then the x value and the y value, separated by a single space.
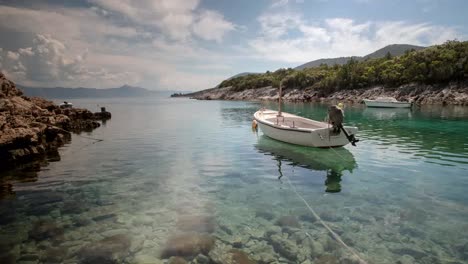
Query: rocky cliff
pixel 449 94
pixel 34 128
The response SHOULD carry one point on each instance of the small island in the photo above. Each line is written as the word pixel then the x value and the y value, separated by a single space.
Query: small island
pixel 433 75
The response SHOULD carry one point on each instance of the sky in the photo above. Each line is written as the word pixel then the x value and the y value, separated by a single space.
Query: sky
pixel 189 45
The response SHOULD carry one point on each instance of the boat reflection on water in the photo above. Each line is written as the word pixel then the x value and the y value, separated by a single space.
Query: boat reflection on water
pixel 333 161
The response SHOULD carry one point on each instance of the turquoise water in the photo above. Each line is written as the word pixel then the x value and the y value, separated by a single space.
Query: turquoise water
pixel 177 166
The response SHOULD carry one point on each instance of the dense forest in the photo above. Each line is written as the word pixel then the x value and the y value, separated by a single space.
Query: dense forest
pixel 433 65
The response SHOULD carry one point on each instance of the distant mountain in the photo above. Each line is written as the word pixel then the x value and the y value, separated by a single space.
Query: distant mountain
pixel 67 93
pixel 241 74
pixel 330 62
pixel 394 50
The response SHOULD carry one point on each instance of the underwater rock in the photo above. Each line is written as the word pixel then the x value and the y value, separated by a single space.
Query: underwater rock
pixel 413 252
pixel 28 258
pixel 288 220
pixel 223 254
pixel 316 248
pixel 202 259
pixel 240 257
pixel 44 197
pixel 8 214
pixel 113 232
pixel 72 207
pixel 41 210
pixel 328 243
pixel 406 259
pixel 143 258
pixel 463 250
pixel 188 245
pixel 264 258
pixel 177 260
pixel 331 216
pixel 105 217
pixel 99 259
pixel 107 250
pixel 352 260
pixel 196 223
pixel 412 232
pixel 46 229
pixel 81 221
pixel 272 230
pixel 307 218
pixel 226 229
pixel 54 255
pixel 326 259
pixel 284 247
pixel 414 215
pixel 265 215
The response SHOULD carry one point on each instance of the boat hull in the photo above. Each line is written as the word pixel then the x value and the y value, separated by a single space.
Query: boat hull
pixel 321 137
pixel 373 103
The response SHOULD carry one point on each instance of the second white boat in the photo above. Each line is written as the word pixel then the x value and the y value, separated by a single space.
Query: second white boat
pixel 386 102
pixel 302 131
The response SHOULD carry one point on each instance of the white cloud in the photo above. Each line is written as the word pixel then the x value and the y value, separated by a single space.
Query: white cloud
pixel 26 51
pixel 283 3
pixel 14 56
pixel 47 62
pixel 210 25
pixel 176 19
pixel 336 37
pixel 112 43
pixel 279 3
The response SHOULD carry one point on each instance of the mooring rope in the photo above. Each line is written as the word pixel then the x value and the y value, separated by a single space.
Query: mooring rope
pixel 334 235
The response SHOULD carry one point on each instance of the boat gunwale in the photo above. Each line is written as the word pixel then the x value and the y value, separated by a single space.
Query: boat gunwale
pixel 302 130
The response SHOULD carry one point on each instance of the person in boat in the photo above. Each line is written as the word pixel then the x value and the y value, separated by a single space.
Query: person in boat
pixel 336 116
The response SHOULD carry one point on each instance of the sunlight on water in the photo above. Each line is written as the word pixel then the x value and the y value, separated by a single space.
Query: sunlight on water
pixel 190 178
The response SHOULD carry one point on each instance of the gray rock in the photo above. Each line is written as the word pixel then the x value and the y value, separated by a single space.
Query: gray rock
pixel 406 259
pixel 331 216
pixel 46 229
pixel 196 223
pixel 265 215
pixel 107 250
pixel 176 260
pixel 288 221
pixel 188 245
pixel 284 247
pixel 202 259
pixel 326 259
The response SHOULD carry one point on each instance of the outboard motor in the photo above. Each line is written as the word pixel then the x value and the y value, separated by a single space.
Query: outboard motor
pixel 335 118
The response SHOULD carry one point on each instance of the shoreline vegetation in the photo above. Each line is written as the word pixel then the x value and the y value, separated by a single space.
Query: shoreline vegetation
pixel 32 128
pixel 435 75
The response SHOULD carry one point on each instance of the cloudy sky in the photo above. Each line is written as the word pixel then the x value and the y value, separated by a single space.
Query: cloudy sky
pixel 195 44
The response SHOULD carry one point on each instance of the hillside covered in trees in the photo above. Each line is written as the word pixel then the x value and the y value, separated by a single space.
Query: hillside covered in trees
pixel 433 65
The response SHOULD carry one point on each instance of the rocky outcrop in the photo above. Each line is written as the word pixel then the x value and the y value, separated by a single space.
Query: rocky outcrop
pixel 34 128
pixel 449 94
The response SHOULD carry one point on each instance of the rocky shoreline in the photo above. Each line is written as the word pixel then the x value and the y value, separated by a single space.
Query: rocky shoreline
pixel 449 94
pixel 32 129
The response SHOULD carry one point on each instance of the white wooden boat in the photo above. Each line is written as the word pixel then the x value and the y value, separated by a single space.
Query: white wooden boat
pixel 301 131
pixel 386 102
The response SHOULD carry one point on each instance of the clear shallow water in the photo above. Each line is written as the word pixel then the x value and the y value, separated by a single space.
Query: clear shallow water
pixel 175 166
